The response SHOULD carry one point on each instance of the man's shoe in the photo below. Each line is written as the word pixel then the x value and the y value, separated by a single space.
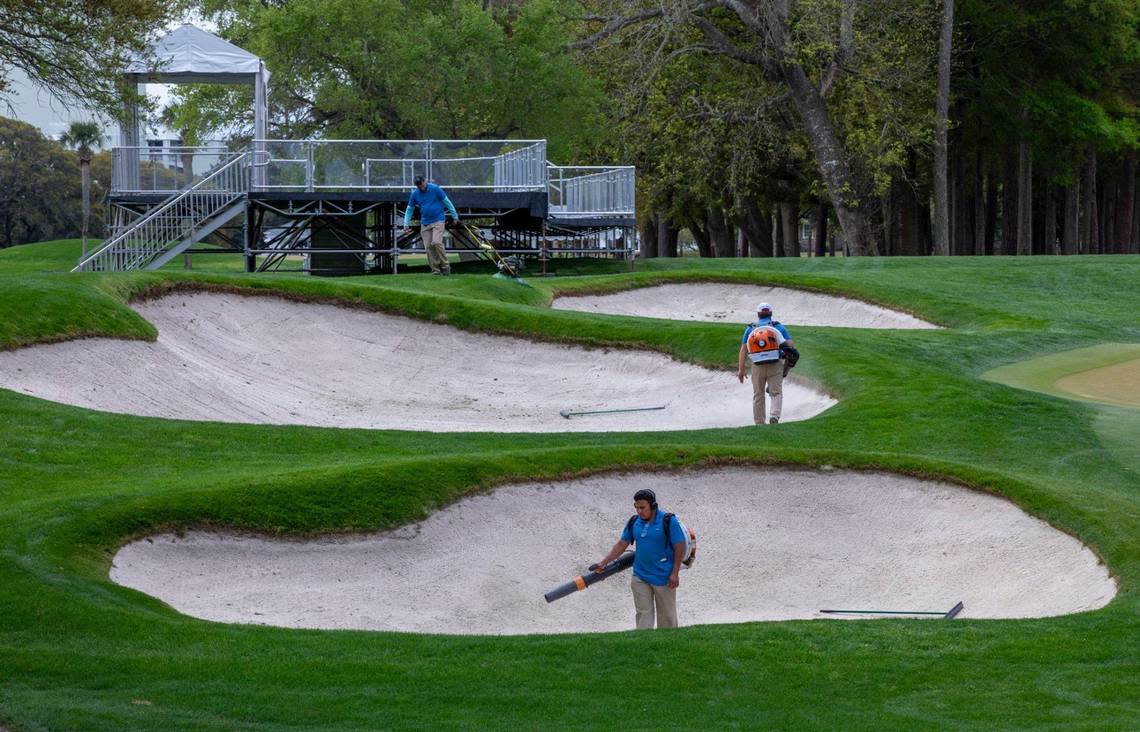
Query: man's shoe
pixel 773 420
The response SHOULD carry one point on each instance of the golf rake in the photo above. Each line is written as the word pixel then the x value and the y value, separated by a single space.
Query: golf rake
pixel 948 614
pixel 568 413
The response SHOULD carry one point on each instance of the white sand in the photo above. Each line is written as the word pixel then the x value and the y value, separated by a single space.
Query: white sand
pixel 266 360
pixel 720 302
pixel 774 544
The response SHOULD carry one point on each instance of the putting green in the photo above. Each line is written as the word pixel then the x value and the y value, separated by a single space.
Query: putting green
pixel 1108 373
pixel 1116 384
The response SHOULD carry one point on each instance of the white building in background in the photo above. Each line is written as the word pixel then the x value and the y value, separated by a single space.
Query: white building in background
pixel 172 158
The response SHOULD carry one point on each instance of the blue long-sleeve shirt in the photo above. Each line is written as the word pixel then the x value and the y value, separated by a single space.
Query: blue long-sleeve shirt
pixel 432 202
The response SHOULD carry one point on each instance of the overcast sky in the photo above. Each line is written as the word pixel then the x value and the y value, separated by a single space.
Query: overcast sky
pixel 35 105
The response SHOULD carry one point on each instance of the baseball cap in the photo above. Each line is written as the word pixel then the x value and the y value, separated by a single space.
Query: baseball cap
pixel 763 307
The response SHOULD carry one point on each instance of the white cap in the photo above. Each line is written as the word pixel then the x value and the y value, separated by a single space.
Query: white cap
pixel 763 306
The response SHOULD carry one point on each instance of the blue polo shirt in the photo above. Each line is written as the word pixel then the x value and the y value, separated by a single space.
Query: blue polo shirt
pixel 653 557
pixel 764 321
pixel 432 202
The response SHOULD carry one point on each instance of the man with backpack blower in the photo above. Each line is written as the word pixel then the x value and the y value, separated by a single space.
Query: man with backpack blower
pixel 768 346
pixel 662 546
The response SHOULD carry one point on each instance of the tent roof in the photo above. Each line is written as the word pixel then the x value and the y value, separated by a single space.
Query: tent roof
pixel 190 54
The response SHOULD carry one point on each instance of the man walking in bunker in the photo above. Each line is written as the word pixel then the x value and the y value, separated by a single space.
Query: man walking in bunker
pixel 660 546
pixel 764 345
pixel 434 206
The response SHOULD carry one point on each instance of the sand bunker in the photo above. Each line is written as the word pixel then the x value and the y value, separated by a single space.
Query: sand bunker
pixel 1115 384
pixel 718 302
pixel 775 544
pixel 266 360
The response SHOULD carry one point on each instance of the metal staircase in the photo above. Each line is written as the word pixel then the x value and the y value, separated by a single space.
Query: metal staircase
pixel 170 228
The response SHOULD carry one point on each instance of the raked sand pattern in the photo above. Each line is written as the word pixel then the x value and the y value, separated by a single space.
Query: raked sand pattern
pixel 229 358
pixel 773 544
pixel 722 302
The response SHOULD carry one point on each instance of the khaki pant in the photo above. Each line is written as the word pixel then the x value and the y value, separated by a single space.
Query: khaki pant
pixel 432 235
pixel 770 375
pixel 645 596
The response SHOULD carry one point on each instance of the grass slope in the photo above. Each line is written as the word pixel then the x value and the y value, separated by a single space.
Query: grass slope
pixel 77 652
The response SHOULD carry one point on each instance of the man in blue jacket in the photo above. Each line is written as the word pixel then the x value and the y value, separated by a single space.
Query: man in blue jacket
pixel 433 203
pixel 656 562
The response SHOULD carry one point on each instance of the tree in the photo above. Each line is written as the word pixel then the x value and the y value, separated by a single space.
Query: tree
pixel 387 69
pixel 1047 93
pixel 76 50
pixel 38 188
pixel 82 136
pixel 840 66
pixel 942 111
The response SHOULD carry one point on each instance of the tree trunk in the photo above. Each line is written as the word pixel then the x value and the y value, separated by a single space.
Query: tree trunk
pixel 941 113
pixel 1125 210
pixel 777 233
pixel 1048 236
pixel 991 216
pixel 830 160
pixel 1108 219
pixel 820 230
pixel 666 237
pixel 1009 200
pixel 962 209
pixel 648 248
pixel 1090 231
pixel 980 186
pixel 909 218
pixel 721 234
pixel 1134 239
pixel 1071 225
pixel 85 177
pixel 788 234
pixel 701 235
pixel 757 227
pixel 1024 199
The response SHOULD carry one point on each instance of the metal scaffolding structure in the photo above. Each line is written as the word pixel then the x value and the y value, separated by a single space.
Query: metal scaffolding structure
pixel 337 206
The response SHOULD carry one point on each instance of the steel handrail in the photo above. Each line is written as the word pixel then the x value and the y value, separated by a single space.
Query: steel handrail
pixel 148 220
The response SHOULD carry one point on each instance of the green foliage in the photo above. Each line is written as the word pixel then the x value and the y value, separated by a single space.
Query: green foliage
pixel 1060 74
pixel 76 50
pixel 83 136
pixel 39 185
pixel 393 70
pixel 883 103
pixel 698 109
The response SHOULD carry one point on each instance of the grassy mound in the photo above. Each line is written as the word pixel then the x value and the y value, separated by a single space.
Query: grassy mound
pixel 77 652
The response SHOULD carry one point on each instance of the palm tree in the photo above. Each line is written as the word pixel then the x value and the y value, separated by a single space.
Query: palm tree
pixel 82 136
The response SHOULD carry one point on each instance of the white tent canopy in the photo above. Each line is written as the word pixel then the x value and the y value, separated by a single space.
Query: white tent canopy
pixel 189 54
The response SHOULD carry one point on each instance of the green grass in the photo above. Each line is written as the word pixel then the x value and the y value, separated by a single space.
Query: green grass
pixel 77 652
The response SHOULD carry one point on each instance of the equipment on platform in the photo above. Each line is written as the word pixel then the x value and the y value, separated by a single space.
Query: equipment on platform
pixel 509 267
pixel 568 413
pixel 948 614
pixel 594 575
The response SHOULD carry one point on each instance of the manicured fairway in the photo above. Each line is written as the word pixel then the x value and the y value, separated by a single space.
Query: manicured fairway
pixel 78 652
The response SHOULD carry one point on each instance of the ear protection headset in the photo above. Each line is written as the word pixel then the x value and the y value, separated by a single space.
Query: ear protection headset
pixel 647 495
